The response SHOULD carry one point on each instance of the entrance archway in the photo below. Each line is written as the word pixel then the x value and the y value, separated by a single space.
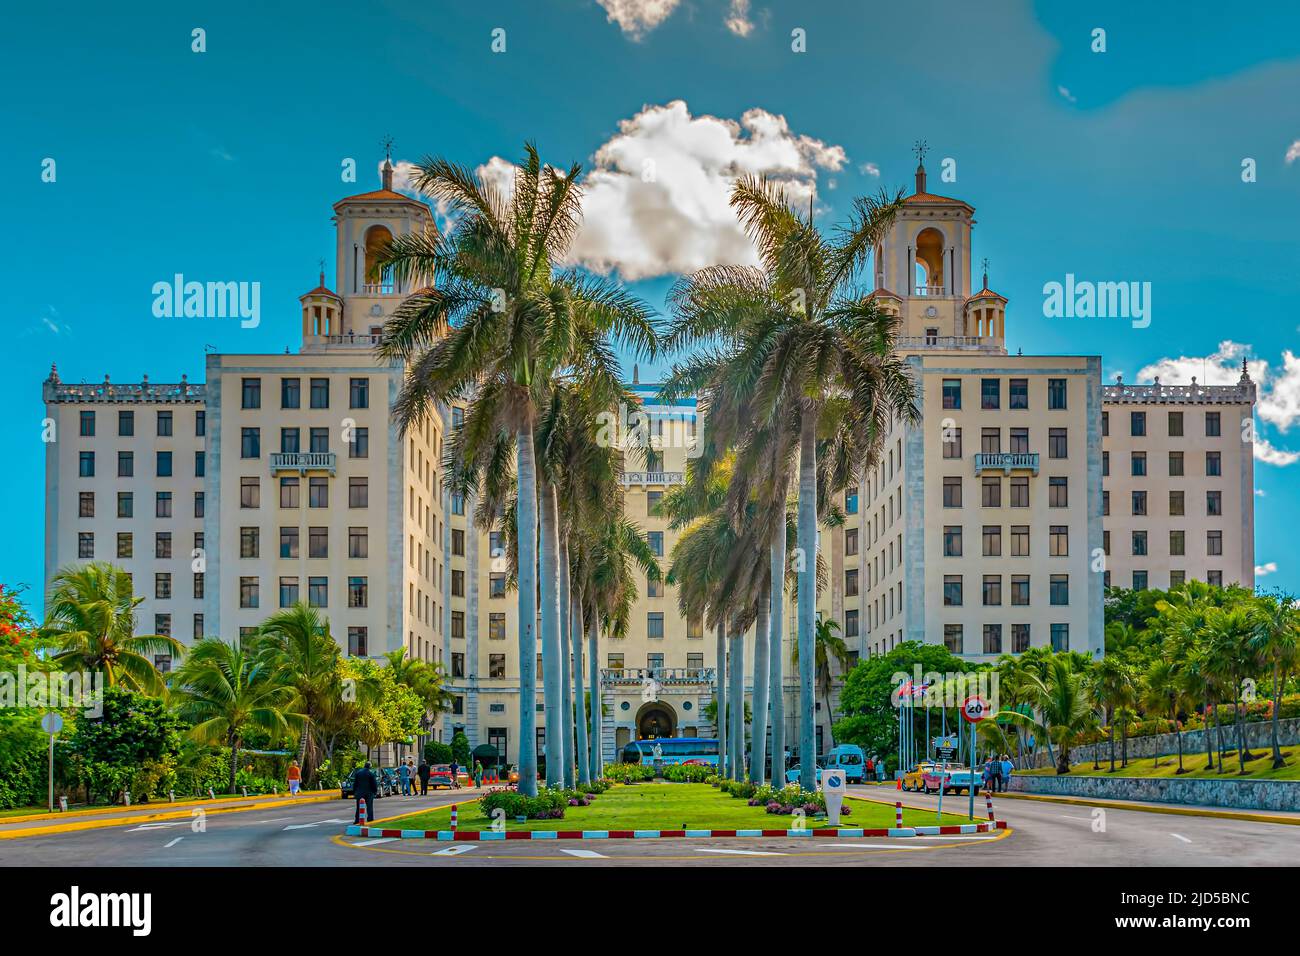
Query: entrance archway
pixel 655 719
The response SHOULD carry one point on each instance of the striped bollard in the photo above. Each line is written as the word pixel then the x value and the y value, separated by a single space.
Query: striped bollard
pixel 988 800
pixel 898 815
pixel 453 818
pixel 361 813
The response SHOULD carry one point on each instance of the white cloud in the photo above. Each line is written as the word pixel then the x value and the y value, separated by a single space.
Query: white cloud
pixel 1265 452
pixel 1067 95
pixel 738 21
pixel 869 169
pixel 1261 570
pixel 1280 404
pixel 636 18
pixel 656 200
pixel 1260 492
pixel 1293 152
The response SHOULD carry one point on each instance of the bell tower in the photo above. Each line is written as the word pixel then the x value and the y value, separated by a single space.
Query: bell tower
pixel 363 224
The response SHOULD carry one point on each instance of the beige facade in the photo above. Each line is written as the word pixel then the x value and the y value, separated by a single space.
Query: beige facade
pixel 284 477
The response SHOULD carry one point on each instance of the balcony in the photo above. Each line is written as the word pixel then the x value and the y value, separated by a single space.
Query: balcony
pixel 1007 462
pixel 379 288
pixel 644 478
pixel 665 676
pixel 951 343
pixel 932 291
pixel 359 340
pixel 302 461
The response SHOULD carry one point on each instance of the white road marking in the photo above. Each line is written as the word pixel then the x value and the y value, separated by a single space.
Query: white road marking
pixel 739 852
pixel 455 850
pixel 304 826
pixel 173 843
pixel 1084 819
pixel 373 842
pixel 1179 836
pixel 274 820
pixel 158 826
pixel 586 854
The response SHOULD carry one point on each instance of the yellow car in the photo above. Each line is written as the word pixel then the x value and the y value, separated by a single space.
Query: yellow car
pixel 914 779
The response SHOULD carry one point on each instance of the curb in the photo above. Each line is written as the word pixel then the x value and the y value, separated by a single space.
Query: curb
pixel 161 806
pixel 103 824
pixel 459 836
pixel 1172 810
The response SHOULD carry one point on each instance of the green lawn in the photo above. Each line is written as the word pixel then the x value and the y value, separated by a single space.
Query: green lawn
pixel 671 806
pixel 1194 762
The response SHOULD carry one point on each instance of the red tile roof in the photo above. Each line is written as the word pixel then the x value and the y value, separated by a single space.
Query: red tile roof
pixel 384 195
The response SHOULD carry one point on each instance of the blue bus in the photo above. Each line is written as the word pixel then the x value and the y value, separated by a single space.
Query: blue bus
pixel 694 750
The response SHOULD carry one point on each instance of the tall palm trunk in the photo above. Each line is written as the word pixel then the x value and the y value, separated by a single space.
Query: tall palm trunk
pixel 776 655
pixel 1178 732
pixel 1241 738
pixel 1110 719
pixel 526 522
pixel 580 718
pixel 234 763
pixel 720 692
pixel 1277 704
pixel 762 664
pixel 736 702
pixel 807 606
pixel 595 759
pixel 1218 738
pixel 1205 732
pixel 548 567
pixel 566 656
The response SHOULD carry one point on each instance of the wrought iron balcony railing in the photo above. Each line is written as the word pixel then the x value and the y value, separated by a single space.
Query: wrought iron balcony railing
pixel 302 461
pixel 1007 462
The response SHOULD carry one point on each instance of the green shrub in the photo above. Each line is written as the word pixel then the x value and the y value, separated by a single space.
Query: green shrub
pixel 435 751
pixel 628 772
pixel 688 773
pixel 549 804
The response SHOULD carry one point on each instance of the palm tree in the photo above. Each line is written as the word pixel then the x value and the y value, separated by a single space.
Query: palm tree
pixel 1233 659
pixel 503 322
pixel 1064 707
pixel 1164 695
pixel 426 680
pixel 90 617
pixel 296 641
pixel 829 647
pixel 1115 688
pixel 225 692
pixel 1277 641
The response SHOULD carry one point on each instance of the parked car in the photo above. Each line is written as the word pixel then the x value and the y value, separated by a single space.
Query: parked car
pixel 384 776
pixel 440 776
pixel 952 780
pixel 389 782
pixel 849 758
pixel 792 775
pixel 912 779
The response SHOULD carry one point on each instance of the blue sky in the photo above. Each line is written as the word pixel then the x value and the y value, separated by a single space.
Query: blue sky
pixel 1122 165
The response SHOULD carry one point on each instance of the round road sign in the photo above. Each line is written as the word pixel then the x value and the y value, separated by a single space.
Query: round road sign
pixel 52 723
pixel 976 708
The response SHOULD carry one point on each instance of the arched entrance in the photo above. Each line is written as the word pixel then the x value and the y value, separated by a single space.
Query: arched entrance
pixel 655 719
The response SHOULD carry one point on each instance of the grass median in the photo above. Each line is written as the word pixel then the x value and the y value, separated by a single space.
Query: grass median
pixel 672 806
pixel 1261 768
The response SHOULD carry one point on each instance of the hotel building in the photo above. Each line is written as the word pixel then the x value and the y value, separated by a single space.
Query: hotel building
pixel 991 525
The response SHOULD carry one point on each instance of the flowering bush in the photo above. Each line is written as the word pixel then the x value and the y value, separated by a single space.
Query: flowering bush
pixel 688 772
pixel 549 804
pixel 628 772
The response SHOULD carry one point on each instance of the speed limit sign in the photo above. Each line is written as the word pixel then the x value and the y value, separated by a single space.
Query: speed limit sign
pixel 975 708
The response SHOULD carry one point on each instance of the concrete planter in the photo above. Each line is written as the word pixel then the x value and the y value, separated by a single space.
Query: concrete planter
pixel 1228 793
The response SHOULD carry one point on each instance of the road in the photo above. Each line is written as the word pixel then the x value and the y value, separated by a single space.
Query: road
pixel 311 835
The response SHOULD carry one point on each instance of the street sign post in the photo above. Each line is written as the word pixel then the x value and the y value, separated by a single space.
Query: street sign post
pixel 52 723
pixel 974 709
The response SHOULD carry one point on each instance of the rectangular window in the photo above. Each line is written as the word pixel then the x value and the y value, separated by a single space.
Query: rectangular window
pixel 1019 441
pixel 1019 638
pixel 992 590
pixel 952 541
pixel 1139 580
pixel 457 542
pixel 851 582
pixel 1020 492
pixel 85 544
pixel 1060 638
pixel 125 504
pixel 318 542
pixel 990 393
pixel 952 443
pixel 288 591
pixel 1105 424
pixel 1056 393
pixel 1137 424
pixel 458 627
pixel 1059 541
pixel 250 493
pixel 359 393
pixel 86 464
pixel 850 541
pixel 1213 424
pixel 497 626
pixel 1057 443
pixel 162 544
pixel 87 424
pixel 198 627
pixel 1177 543
pixel 1139 499
pixel 290 393
pixel 358 591
pixel 952 492
pixel 991 441
pixel 318 592
pixel 497 666
pixel 198 504
pixel 457 665
pixel 952 639
pixel 1058 492
pixel 992 541
pixel 850 624
pixel 289 542
pixel 251 393
pixel 358 492
pixel 656 541
pixel 1214 543
pixel 290 441
pixel 991 491
pixel 457 583
pixel 1214 578
pixel 289 493
pixel 318 441
pixel 248 542
pixel 359 642
pixel 1020 540
pixel 992 638
pixel 125 464
pixel 952 393
pixel 250 443
pixel 248 592
pixel 359 447
pixel 126 424
pixel 198 585
pixel 496 585
pixel 654 625
pixel 1138 464
pixel 320 393
pixel 200 465
pixel 952 590
pixel 358 542
pixel 1018 393
pixel 162 626
pixel 124 544
pixel 86 504
pixel 163 464
pixel 162 506
pixel 318 492
pixel 1176 503
pixel 1213 464
pixel 1175 464
pixel 1139 544
pixel 1020 590
pixel 1175 424
pixel 164 424
pixel 1214 503
pixel 200 424
pixel 1105 464
pixel 1060 589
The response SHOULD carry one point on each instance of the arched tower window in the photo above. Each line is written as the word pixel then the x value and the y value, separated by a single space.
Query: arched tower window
pixel 929 259
pixel 375 284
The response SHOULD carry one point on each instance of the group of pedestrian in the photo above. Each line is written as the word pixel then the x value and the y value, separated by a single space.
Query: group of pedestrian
pixel 997 773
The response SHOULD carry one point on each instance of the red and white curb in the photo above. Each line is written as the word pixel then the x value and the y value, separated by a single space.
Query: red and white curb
pixel 495 835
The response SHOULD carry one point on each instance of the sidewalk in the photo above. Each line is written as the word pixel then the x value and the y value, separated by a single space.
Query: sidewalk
pixel 1289 817
pixel 96 818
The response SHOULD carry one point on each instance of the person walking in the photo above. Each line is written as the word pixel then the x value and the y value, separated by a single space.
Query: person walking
pixel 364 787
pixel 1007 767
pixel 404 772
pixel 295 778
pixel 455 778
pixel 423 772
pixel 478 774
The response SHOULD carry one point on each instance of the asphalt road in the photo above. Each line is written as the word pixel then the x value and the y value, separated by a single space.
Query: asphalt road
pixel 311 835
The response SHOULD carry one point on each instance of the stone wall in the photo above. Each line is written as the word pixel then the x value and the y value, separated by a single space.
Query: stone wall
pixel 1258 734
pixel 1209 792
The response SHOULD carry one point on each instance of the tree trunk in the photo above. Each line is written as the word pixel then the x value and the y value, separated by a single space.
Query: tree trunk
pixel 580 718
pixel 548 566
pixel 1110 719
pixel 1218 738
pixel 566 667
pixel 1241 738
pixel 1205 732
pixel 720 694
pixel 807 601
pixel 1277 705
pixel 1123 737
pixel 736 702
pixel 526 523
pixel 595 759
pixel 762 667
pixel 776 654
pixel 234 764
